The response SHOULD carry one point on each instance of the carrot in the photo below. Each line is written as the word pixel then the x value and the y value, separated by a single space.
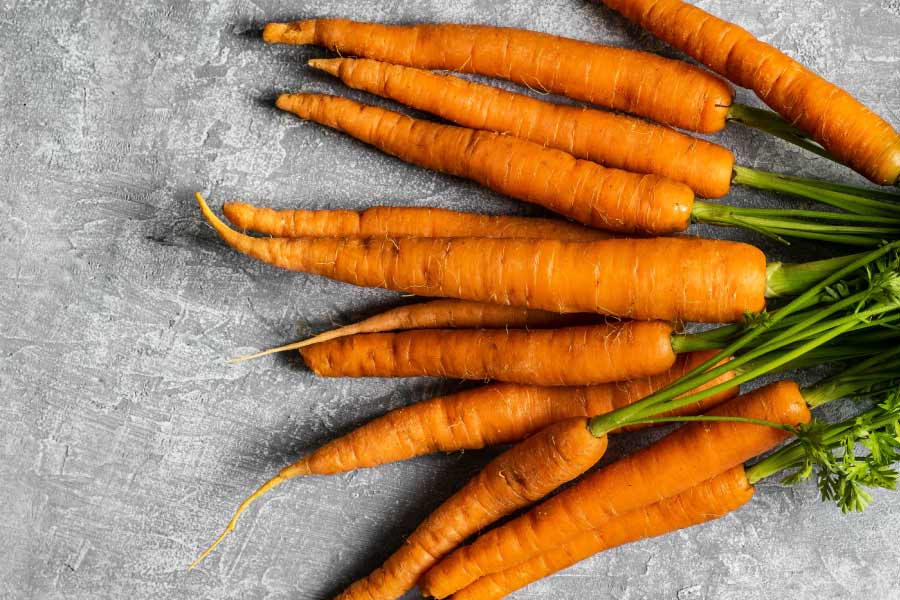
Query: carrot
pixel 395 222
pixel 663 278
pixel 609 139
pixel 840 123
pixel 518 477
pixel 451 314
pixel 692 454
pixel 610 199
pixel 477 418
pixel 569 356
pixel 707 501
pixel 665 90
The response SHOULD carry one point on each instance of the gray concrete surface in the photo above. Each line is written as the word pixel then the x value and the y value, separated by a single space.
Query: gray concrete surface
pixel 125 442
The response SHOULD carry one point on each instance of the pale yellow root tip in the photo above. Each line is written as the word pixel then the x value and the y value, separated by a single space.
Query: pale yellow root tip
pixel 318 339
pixel 291 346
pixel 210 216
pixel 272 483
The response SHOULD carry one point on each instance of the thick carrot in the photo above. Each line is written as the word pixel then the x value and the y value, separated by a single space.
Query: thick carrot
pixel 612 140
pixel 518 477
pixel 707 501
pixel 449 314
pixel 473 419
pixel 681 460
pixel 396 222
pixel 663 278
pixel 665 90
pixel 610 199
pixel 843 125
pixel 582 355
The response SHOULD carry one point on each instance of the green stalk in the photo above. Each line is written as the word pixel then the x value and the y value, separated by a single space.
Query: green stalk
pixel 793 455
pixel 804 224
pixel 787 279
pixel 772 123
pixel 858 200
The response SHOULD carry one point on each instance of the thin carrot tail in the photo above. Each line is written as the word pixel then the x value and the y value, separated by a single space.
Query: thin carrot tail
pixel 272 483
pixel 295 470
pixel 316 339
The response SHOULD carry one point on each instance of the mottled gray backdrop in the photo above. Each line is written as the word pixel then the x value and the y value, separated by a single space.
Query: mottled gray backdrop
pixel 125 441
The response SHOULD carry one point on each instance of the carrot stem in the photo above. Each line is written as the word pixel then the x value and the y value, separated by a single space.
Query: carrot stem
pixel 790 279
pixel 771 123
pixel 805 224
pixel 858 200
pixel 794 455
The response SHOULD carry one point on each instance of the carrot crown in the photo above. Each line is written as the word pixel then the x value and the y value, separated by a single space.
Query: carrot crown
pixel 864 294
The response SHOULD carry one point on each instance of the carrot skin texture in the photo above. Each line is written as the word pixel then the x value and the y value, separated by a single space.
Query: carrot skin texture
pixel 665 90
pixel 844 126
pixel 494 414
pixel 681 460
pixel 521 475
pixel 550 357
pixel 670 279
pixel 395 222
pixel 609 199
pixel 612 140
pixel 705 502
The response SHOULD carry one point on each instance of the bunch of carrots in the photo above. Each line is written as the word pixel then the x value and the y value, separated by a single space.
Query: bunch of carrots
pixel 574 327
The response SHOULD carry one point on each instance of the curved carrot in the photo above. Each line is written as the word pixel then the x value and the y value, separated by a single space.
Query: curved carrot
pixel 843 125
pixel 707 501
pixel 473 419
pixel 681 460
pixel 396 222
pixel 518 477
pixel 665 90
pixel 610 199
pixel 449 314
pixel 672 279
pixel 568 356
pixel 612 140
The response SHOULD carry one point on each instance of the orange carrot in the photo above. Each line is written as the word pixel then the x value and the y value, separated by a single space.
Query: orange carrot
pixel 568 356
pixel 610 199
pixel 844 126
pixel 612 140
pixel 473 419
pixel 518 477
pixel 707 501
pixel 664 278
pixel 396 222
pixel 450 314
pixel 665 90
pixel 692 454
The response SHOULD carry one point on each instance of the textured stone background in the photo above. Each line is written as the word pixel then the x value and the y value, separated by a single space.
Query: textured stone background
pixel 125 442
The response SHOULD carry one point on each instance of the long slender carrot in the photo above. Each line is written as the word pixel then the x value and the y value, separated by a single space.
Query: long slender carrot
pixel 518 477
pixel 473 419
pixel 446 314
pixel 665 90
pixel 683 459
pixel 707 501
pixel 567 356
pixel 844 126
pixel 612 140
pixel 664 278
pixel 396 222
pixel 610 199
